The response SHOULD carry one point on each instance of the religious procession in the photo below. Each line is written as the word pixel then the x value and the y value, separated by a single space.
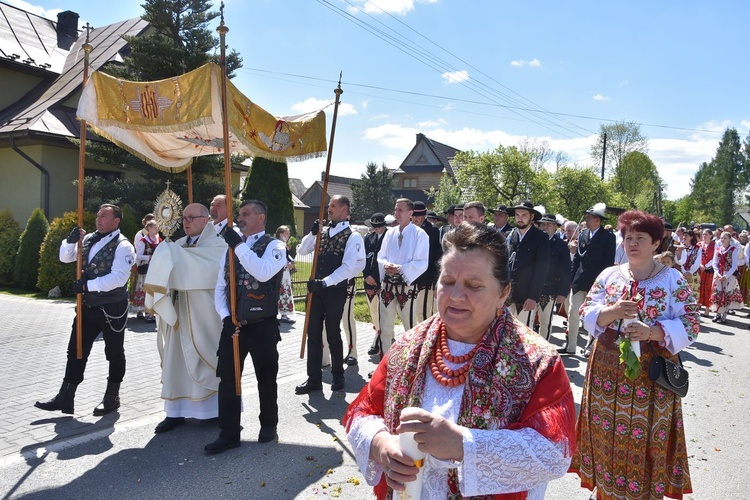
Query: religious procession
pixel 470 395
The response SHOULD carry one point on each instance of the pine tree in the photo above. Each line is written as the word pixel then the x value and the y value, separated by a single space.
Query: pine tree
pixel 372 192
pixel 269 182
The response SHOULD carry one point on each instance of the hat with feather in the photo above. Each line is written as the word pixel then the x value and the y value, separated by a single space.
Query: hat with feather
pixel 599 210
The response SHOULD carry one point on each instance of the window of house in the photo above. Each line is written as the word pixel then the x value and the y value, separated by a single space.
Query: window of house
pixel 410 183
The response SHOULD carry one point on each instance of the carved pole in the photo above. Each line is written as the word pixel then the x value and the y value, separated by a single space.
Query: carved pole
pixel 321 213
pixel 81 169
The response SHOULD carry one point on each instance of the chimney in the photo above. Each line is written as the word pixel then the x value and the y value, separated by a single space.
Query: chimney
pixel 420 136
pixel 67 29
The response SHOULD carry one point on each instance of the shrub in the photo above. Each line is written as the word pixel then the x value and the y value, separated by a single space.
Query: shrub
pixel 130 223
pixel 269 182
pixel 26 270
pixel 52 272
pixel 10 233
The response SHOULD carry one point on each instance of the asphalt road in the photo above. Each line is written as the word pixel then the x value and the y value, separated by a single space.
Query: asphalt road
pixel 47 455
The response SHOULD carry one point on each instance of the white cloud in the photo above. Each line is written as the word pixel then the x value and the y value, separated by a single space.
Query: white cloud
pixel 600 97
pixel 711 129
pixel 313 104
pixel 35 9
pixel 745 125
pixel 365 103
pixel 624 83
pixel 456 76
pixel 432 123
pixel 401 7
pixel 534 63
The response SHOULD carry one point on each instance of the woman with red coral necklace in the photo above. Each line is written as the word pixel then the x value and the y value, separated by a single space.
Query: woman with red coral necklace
pixel 485 396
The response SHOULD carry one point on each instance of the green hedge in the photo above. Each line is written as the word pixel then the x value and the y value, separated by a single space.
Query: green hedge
pixel 10 233
pixel 52 272
pixel 26 270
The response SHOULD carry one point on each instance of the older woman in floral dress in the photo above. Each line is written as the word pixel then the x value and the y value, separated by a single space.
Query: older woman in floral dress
pixel 488 399
pixel 631 440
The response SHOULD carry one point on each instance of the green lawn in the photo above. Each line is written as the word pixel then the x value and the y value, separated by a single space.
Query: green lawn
pixel 9 290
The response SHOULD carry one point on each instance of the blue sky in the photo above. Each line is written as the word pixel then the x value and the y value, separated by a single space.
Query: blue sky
pixel 458 70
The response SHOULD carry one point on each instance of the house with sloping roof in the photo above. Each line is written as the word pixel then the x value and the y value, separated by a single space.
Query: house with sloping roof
pixel 422 168
pixel 313 197
pixel 41 67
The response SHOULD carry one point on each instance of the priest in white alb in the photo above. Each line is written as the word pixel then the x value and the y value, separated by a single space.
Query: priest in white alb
pixel 180 291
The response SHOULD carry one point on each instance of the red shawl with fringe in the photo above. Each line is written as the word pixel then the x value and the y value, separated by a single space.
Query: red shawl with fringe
pixel 509 356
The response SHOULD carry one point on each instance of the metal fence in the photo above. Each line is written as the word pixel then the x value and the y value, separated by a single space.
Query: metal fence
pixel 303 263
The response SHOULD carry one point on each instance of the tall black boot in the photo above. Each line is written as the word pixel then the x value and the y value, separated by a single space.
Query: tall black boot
pixel 63 401
pixel 111 400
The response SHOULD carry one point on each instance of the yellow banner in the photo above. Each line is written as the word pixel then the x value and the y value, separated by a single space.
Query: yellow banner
pixel 169 122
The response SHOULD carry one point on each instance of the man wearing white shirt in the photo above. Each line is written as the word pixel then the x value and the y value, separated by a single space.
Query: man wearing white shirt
pixel 258 264
pixel 403 257
pixel 107 259
pixel 341 257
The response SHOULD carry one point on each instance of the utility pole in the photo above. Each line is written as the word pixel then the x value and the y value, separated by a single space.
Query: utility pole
pixel 604 154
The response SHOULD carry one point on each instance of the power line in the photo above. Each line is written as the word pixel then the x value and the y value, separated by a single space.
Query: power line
pixel 467 101
pixel 427 58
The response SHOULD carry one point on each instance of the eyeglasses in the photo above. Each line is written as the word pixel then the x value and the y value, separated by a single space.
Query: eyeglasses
pixel 187 218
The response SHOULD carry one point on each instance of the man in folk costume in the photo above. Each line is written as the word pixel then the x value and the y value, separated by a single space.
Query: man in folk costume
pixel 259 261
pixel 557 285
pixel 450 214
pixel 474 212
pixel 500 217
pixel 425 284
pixel 528 261
pixel 371 273
pixel 218 211
pixel 107 259
pixel 595 252
pixel 668 243
pixel 180 290
pixel 403 257
pixel 341 257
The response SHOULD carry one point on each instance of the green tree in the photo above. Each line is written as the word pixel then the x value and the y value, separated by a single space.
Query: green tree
pixel 10 232
pixel 637 179
pixel 26 269
pixel 447 193
pixel 578 190
pixel 500 176
pixel 52 272
pixel 372 192
pixel 717 186
pixel 269 182
pixel 622 138
pixel 181 41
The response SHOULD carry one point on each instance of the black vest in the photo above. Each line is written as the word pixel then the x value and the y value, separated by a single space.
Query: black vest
pixel 331 252
pixel 101 265
pixel 256 300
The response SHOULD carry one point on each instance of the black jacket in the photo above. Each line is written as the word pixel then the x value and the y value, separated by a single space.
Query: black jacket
pixel 430 276
pixel 558 276
pixel 373 241
pixel 528 261
pixel 593 256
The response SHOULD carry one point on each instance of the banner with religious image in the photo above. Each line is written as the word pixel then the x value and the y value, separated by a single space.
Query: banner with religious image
pixel 168 122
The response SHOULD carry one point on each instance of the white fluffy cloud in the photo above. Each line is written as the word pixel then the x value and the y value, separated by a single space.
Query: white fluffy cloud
pixel 456 76
pixel 600 97
pixel 534 63
pixel 313 104
pixel 35 9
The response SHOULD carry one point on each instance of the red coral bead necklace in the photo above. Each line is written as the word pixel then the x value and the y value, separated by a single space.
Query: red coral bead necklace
pixel 448 377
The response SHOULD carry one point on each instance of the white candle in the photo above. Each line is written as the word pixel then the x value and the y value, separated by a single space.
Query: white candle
pixel 410 448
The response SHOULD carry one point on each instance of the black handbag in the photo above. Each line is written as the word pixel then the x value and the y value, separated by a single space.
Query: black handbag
pixel 669 375
pixel 143 268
